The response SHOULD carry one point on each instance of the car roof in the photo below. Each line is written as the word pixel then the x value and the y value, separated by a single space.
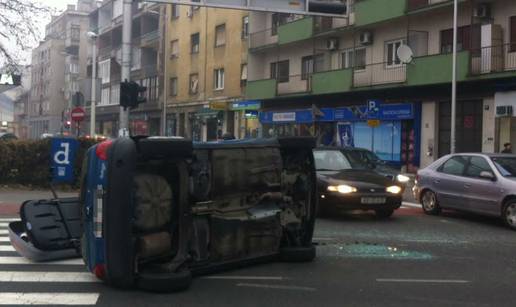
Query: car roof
pixel 483 154
pixel 341 148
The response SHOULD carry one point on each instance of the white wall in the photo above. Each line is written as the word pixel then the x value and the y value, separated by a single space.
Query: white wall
pixel 429 132
pixel 488 125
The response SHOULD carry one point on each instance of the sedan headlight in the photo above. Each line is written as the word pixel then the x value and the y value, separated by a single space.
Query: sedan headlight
pixel 343 189
pixel 394 189
pixel 402 178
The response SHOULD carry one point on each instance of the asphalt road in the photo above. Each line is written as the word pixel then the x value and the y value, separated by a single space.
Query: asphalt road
pixel 408 260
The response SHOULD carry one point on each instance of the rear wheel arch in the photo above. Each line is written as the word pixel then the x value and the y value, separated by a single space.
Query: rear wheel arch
pixel 506 201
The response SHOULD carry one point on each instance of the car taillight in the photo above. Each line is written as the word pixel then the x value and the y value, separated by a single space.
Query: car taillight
pixel 99 271
pixel 102 149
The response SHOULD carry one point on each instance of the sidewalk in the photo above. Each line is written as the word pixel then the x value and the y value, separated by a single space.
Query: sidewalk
pixel 12 198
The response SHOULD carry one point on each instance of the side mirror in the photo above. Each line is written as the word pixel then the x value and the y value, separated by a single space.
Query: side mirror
pixel 487 175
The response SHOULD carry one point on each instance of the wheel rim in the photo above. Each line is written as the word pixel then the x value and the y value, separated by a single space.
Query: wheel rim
pixel 429 201
pixel 510 215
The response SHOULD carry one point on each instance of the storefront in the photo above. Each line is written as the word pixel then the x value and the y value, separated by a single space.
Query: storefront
pixel 247 118
pixel 394 137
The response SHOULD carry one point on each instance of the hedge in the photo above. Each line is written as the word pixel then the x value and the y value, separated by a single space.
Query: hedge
pixel 27 162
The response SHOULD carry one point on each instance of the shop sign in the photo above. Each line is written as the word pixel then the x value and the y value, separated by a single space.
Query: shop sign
pixel 373 123
pixel 469 122
pixel 218 105
pixel 246 105
pixel 284 117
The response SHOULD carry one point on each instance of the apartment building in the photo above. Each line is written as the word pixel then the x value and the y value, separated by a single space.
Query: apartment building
pixel 316 76
pixel 56 70
pixel 106 22
pixel 205 68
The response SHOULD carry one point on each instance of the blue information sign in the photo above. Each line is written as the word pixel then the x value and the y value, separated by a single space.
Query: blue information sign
pixel 62 159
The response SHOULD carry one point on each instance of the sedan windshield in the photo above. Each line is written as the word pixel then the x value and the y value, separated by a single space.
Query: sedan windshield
pixel 506 166
pixel 331 160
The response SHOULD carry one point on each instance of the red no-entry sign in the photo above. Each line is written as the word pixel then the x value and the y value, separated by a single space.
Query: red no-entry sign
pixel 78 114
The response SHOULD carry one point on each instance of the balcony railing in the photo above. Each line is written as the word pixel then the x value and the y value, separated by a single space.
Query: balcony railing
pixel 262 39
pixel 150 37
pixel 295 84
pixel 377 74
pixel 417 4
pixel 493 59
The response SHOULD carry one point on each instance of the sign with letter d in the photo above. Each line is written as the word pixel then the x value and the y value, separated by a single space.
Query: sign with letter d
pixel 62 159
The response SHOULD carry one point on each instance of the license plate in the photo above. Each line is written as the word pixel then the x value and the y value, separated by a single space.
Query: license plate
pixel 373 200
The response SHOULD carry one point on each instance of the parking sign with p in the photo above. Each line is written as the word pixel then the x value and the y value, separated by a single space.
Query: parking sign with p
pixel 62 159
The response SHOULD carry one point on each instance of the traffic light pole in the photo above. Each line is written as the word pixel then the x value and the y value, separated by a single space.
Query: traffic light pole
pixel 126 62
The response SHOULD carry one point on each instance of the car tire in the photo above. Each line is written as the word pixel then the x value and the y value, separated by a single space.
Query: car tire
pixel 509 214
pixel 165 282
pixel 384 213
pixel 297 253
pixel 429 203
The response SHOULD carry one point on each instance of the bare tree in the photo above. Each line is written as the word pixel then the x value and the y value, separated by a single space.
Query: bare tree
pixel 19 28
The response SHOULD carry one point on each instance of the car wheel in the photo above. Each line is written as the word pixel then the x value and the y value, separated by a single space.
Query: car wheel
pixel 297 253
pixel 383 214
pixel 509 214
pixel 429 203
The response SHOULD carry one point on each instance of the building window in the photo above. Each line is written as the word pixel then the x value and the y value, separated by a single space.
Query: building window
pixel 194 84
pixel 104 96
pixel 245 27
pixel 194 43
pixel 105 70
pixel 468 38
pixel 307 67
pixel 175 11
pixel 218 79
pixel 280 71
pixel 243 75
pixel 391 52
pixel 174 49
pixel 74 68
pixel 173 86
pixel 115 94
pixel 75 32
pixel 512 28
pixel 279 19
pixel 353 58
pixel 136 56
pixel 220 35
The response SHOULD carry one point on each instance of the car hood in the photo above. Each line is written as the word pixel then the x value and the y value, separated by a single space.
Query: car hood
pixel 354 177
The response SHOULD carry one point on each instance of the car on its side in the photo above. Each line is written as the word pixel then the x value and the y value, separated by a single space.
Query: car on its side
pixel 6 136
pixel 479 183
pixel 345 185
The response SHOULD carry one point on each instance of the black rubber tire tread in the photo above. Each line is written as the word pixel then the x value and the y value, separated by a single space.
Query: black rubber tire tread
pixel 165 282
pixel 436 210
pixel 297 253
pixel 505 206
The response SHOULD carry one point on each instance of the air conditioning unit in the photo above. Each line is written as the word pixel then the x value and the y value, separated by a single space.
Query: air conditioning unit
pixel 502 111
pixel 366 38
pixel 482 10
pixel 332 44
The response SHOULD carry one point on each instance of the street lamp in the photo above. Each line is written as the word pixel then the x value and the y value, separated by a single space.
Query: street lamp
pixel 454 81
pixel 93 37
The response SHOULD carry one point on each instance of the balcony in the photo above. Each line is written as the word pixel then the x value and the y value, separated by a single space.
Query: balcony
pixel 333 81
pixel 435 69
pixel 493 60
pixel 379 74
pixel 150 39
pixel 261 89
pixel 262 40
pixel 298 30
pixel 374 11
pixel 296 84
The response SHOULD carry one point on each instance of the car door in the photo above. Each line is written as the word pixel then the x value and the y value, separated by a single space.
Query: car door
pixel 448 182
pixel 481 194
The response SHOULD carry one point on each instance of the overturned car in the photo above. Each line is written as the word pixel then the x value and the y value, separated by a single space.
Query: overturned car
pixel 155 211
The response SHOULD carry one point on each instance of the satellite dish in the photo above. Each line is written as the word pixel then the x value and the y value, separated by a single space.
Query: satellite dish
pixel 405 54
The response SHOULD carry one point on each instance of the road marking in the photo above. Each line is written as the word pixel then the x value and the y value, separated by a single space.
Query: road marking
pixel 7 248
pixel 22 260
pixel 4 232
pixel 3 220
pixel 226 277
pixel 435 281
pixel 4 239
pixel 411 205
pixel 14 276
pixel 4 225
pixel 322 239
pixel 21 298
pixel 279 287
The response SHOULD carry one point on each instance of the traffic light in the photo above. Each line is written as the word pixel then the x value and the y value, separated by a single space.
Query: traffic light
pixel 131 94
pixel 328 6
pixel 67 124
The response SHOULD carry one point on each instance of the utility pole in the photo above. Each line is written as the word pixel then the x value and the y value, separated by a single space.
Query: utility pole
pixel 453 132
pixel 126 62
pixel 165 73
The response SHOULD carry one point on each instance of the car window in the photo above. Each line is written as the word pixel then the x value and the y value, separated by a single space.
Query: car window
pixel 356 159
pixel 476 166
pixel 506 165
pixel 454 166
pixel 331 160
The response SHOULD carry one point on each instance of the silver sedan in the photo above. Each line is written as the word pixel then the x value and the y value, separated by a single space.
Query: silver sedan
pixel 479 183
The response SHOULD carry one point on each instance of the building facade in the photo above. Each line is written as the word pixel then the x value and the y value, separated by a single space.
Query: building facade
pixel 58 68
pixel 205 69
pixel 348 82
pixel 106 22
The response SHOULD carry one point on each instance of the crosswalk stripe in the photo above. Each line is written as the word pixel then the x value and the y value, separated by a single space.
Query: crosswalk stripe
pixel 4 232
pixel 4 239
pixel 7 220
pixel 22 260
pixel 32 298
pixel 4 225
pixel 7 248
pixel 15 276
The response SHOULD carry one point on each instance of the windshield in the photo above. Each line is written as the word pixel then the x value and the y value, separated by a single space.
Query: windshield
pixel 506 166
pixel 331 160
